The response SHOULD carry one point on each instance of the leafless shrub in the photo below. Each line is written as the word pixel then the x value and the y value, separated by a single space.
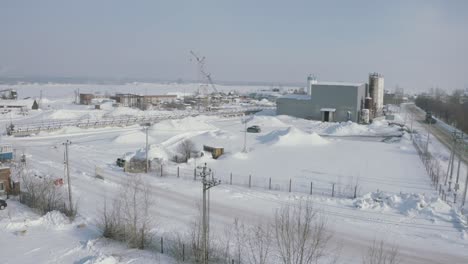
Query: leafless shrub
pixel 185 148
pixel 379 253
pixel 300 234
pixel 128 218
pixel 41 194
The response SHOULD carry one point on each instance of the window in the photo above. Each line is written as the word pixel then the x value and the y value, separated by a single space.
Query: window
pixel 2 187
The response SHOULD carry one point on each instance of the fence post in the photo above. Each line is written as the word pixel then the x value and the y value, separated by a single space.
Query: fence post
pixel 290 184
pixel 230 179
pixel 269 184
pixel 311 185
pixel 194 174
pixel 333 190
pixel 161 170
pixel 355 191
pixel 162 245
pixel 183 252
pixel 250 180
pixel 177 171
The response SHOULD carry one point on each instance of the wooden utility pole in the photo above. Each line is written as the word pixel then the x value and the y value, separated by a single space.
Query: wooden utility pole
pixel 245 135
pixel 67 169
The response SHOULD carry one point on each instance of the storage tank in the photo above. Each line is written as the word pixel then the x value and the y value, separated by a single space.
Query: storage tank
pixel 310 80
pixel 368 103
pixel 376 90
pixel 365 116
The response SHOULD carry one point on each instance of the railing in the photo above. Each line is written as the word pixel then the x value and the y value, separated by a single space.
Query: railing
pixel 51 125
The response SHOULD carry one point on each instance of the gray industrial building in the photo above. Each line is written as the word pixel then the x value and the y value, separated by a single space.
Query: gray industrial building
pixel 326 101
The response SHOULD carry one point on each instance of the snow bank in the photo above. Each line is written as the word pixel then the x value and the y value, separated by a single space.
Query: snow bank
pixel 137 137
pixel 404 203
pixel 54 219
pixel 292 137
pixel 182 125
pixel 353 129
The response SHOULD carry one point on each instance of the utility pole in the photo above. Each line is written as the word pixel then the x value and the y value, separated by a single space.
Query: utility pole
pixel 411 117
pixel 207 184
pixel 466 188
pixel 146 125
pixel 67 169
pixel 245 134
pixel 453 160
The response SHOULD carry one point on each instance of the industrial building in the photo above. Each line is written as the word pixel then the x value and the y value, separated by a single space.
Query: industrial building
pixel 325 101
pixel 335 101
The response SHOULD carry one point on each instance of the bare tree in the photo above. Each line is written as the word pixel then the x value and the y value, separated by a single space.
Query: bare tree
pixel 259 244
pixel 300 234
pixel 41 194
pixel 185 148
pixel 378 253
pixel 128 218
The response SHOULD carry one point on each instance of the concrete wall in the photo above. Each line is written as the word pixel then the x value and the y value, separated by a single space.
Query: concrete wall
pixel 294 107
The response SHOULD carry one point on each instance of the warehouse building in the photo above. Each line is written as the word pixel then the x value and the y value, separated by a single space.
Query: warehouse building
pixel 325 101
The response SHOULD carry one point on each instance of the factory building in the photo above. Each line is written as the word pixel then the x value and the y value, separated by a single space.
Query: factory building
pixel 325 101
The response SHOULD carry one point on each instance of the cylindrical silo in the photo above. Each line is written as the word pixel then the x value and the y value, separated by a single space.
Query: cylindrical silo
pixel 376 90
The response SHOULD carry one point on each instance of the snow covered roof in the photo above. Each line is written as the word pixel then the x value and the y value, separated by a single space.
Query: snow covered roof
pixel 297 96
pixel 339 83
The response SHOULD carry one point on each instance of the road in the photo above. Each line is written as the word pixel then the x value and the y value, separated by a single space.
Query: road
pixel 439 132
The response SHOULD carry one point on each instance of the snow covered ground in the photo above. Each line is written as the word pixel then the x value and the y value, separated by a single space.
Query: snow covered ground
pixel 395 202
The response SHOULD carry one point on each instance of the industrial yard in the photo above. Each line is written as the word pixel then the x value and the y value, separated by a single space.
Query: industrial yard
pixel 390 195
pixel 233 132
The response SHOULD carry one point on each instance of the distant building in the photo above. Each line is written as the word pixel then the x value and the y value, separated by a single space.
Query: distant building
pixel 85 99
pixel 5 174
pixel 325 101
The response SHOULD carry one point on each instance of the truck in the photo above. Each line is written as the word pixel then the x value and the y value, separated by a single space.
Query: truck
pixel 429 118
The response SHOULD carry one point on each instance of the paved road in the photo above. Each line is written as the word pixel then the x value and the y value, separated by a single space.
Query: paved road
pixel 441 133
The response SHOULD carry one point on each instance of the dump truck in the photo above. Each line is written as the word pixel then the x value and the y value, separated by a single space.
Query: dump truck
pixel 429 118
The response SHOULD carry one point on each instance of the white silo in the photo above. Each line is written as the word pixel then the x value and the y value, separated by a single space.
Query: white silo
pixel 376 90
pixel 310 81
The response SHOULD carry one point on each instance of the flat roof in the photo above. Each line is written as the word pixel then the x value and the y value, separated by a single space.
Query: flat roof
pixel 297 96
pixel 339 83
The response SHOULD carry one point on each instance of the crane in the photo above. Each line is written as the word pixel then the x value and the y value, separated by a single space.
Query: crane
pixel 201 69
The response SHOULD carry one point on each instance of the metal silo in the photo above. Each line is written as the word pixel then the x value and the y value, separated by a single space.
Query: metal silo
pixel 376 90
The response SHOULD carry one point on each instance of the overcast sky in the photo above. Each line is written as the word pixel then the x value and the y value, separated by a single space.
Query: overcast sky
pixel 415 44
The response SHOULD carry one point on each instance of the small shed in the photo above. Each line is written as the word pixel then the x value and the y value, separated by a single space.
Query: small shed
pixel 216 152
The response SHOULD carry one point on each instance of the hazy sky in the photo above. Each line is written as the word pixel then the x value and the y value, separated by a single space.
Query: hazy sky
pixel 415 44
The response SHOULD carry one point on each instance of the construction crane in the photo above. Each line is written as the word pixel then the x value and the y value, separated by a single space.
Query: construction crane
pixel 203 73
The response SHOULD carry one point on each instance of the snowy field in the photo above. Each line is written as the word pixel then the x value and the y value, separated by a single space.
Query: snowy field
pixel 395 202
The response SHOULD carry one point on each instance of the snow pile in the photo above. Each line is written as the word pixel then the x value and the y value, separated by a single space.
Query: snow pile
pixel 182 125
pixel 54 219
pixel 404 203
pixel 154 152
pixel 267 121
pixel 136 137
pixel 292 137
pixel 353 129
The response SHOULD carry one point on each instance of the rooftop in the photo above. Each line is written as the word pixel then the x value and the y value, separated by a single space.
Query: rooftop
pixel 296 96
pixel 339 83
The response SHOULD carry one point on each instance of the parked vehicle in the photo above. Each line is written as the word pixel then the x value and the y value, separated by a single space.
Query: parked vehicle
pixel 254 129
pixel 120 162
pixel 3 204
pixel 429 118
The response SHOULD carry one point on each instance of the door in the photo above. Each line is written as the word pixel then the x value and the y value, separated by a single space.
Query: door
pixel 326 116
